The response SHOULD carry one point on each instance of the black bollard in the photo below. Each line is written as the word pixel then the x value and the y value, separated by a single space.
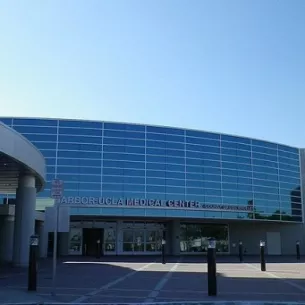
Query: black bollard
pixel 298 250
pixel 98 249
pixel 212 281
pixel 240 252
pixel 32 270
pixel 163 251
pixel 263 261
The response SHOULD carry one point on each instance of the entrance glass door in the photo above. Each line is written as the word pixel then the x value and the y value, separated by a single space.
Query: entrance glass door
pixel 141 241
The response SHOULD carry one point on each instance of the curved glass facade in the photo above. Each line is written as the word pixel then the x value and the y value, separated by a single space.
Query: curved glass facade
pixel 178 172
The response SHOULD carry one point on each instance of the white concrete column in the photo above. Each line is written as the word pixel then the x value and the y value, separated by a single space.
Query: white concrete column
pixel 175 237
pixel 64 244
pixel 24 219
pixel 7 238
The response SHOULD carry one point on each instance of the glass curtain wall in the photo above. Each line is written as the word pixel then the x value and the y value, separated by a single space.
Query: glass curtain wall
pixel 194 237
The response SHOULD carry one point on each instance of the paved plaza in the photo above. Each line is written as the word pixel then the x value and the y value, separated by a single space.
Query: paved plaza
pixel 146 280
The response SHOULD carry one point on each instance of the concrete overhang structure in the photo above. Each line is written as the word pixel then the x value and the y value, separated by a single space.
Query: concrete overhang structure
pixel 22 172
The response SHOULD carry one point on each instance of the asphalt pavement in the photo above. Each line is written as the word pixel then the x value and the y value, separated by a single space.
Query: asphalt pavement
pixel 147 280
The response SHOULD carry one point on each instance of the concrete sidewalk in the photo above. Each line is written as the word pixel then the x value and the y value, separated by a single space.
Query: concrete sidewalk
pixel 8 295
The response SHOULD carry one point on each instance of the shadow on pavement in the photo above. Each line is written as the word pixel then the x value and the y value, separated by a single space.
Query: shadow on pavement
pixel 146 279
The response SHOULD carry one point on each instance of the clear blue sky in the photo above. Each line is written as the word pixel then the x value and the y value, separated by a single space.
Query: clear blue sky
pixel 233 66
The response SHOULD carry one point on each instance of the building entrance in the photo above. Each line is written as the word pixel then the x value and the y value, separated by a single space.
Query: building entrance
pixel 90 238
pixel 141 238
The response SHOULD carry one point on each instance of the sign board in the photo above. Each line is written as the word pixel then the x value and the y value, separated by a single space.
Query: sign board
pixel 151 203
pixel 57 189
pixel 63 219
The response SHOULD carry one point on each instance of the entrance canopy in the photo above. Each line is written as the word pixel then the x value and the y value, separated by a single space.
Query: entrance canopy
pixel 18 157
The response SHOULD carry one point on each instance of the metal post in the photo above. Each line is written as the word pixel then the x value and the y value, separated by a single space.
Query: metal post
pixel 298 250
pixel 55 249
pixel 163 251
pixel 263 261
pixel 240 252
pixel 212 280
pixel 32 270
pixel 98 249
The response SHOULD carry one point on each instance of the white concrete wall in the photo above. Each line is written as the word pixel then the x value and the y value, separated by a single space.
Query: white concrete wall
pixel 250 233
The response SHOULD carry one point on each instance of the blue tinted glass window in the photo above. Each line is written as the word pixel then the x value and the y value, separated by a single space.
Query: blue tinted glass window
pixel 113 171
pixel 229 151
pixel 171 138
pixel 36 130
pixel 80 124
pixel 265 170
pixel 175 175
pixel 80 131
pixel 80 162
pixel 243 153
pixel 194 183
pixel 195 191
pixel 293 162
pixel 175 182
pixel 155 189
pixel 50 169
pixel 259 182
pixel 289 186
pixel 175 153
pixel 203 142
pixel 175 190
pixel 122 126
pixel 157 159
pixel 50 177
pixel 175 167
pixel 288 149
pixel 124 134
pixel 34 122
pixel 211 170
pixel 156 166
pixel 175 160
pixel 195 176
pixel 50 161
pixel 288 167
pixel 165 130
pixel 79 139
pixel 229 138
pixel 289 173
pixel 122 156
pixel 244 170
pixel 264 150
pixel 156 151
pixel 156 144
pixel 6 121
pixel 40 138
pixel 156 137
pixel 156 173
pixel 82 147
pixel 264 144
pixel 134 187
pixel 192 147
pixel 48 153
pixel 194 162
pixel 264 163
pixel 79 170
pixel 260 156
pixel 210 149
pixel 156 181
pixel 172 145
pixel 45 145
pixel 201 134
pixel 79 154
